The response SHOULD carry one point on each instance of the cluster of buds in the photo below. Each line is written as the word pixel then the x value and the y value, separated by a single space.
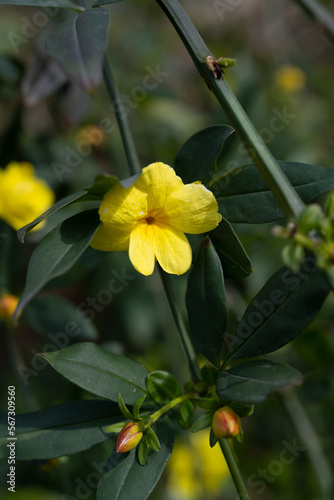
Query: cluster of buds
pixel 313 231
pixel 8 305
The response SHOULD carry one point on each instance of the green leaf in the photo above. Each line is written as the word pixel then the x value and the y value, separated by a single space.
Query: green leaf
pixel 207 403
pixel 63 4
pixel 244 196
pixel 102 184
pixel 60 430
pixel 209 374
pixel 125 478
pixel 100 372
pixel 185 414
pixel 57 252
pixel 137 406
pixel 242 410
pixel 162 387
pixel 123 409
pixel 59 319
pixel 104 2
pixel 142 451
pixel 280 311
pixel 253 381
pixel 206 302
pixel 213 439
pixel 153 440
pixel 233 257
pixel 202 422
pixel 197 158
pixel 78 45
pixel 57 206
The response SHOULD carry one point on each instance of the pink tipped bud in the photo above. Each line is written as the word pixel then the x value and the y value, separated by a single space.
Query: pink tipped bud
pixel 226 423
pixel 129 437
pixel 8 305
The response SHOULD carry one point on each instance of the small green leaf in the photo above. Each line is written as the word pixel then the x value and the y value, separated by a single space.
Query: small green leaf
pixel 197 158
pixel 57 252
pixel 202 422
pixel 240 436
pixel 114 428
pixel 57 206
pixel 185 414
pixel 213 439
pixel 123 408
pixel 242 410
pixel 209 374
pixel 142 451
pixel 280 311
pixel 137 406
pixel 162 387
pixel 100 372
pixel 244 196
pixel 206 403
pixel 253 381
pixel 206 302
pixel 59 320
pixel 124 478
pixel 233 257
pixel 60 430
pixel 153 440
pixel 78 45
pixel 102 184
pixel 63 4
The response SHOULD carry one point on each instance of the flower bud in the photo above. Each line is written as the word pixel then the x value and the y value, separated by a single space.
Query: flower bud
pixel 310 218
pixel 129 437
pixel 226 423
pixel 8 305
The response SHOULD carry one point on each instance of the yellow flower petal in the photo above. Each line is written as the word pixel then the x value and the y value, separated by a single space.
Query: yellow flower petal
pixel 141 249
pixel 110 240
pixel 23 196
pixel 159 181
pixel 172 249
pixel 192 209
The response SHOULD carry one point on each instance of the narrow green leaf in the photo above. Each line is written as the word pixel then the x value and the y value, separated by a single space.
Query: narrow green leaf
pixel 102 184
pixel 197 158
pixel 162 387
pixel 206 302
pixel 253 381
pixel 78 45
pixel 280 311
pixel 57 252
pixel 100 372
pixel 137 406
pixel 142 451
pixel 60 430
pixel 59 319
pixel 123 408
pixel 213 439
pixel 153 440
pixel 104 2
pixel 206 403
pixel 57 206
pixel 244 196
pixel 233 257
pixel 202 422
pixel 125 478
pixel 185 414
pixel 114 428
pixel 242 410
pixel 62 4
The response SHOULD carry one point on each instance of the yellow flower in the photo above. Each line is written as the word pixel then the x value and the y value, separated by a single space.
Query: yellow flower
pixel 8 305
pixel 23 196
pixel 195 470
pixel 290 78
pixel 149 219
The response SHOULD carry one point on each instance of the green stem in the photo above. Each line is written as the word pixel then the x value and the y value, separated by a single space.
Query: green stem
pixel 279 184
pixel 320 14
pixel 127 139
pixel 312 443
pixel 234 469
pixel 164 409
pixel 183 332
pixel 16 361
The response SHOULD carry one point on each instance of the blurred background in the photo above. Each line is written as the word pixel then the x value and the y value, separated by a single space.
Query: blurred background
pixel 285 69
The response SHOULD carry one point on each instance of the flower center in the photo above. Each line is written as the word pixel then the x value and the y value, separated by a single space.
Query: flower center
pixel 150 220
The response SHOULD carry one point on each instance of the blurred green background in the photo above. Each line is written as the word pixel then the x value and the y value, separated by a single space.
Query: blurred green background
pixel 285 69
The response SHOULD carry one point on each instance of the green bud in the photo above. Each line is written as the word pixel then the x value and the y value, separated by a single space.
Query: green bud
pixel 293 255
pixel 226 423
pixel 226 62
pixel 310 218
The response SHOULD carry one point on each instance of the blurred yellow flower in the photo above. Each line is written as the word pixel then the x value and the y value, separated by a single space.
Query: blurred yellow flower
pixel 195 470
pixel 149 219
pixel 23 196
pixel 8 305
pixel 290 78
